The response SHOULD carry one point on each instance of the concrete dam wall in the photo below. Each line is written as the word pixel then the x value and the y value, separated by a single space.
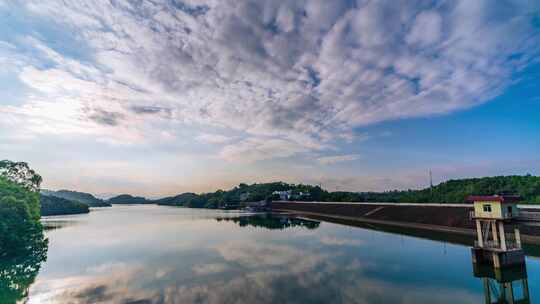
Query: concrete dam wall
pixel 448 218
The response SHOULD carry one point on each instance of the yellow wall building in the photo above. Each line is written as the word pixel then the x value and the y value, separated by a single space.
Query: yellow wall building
pixel 495 207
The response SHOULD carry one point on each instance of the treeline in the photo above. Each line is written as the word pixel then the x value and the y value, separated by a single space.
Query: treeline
pixel 238 195
pixel 452 191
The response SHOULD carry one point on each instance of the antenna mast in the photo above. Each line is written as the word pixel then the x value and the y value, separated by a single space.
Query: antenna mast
pixel 430 183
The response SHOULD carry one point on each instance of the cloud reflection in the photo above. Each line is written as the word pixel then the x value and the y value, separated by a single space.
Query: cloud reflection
pixel 251 273
pixel 193 258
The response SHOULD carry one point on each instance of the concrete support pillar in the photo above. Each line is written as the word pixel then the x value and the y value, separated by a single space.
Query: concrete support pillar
pixel 518 237
pixel 496 260
pixel 494 233
pixel 479 234
pixel 503 237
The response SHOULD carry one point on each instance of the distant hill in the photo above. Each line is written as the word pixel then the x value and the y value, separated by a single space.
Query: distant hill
pixel 128 199
pixel 53 205
pixel 81 197
pixel 240 194
pixel 184 199
pixel 456 191
pixel 452 191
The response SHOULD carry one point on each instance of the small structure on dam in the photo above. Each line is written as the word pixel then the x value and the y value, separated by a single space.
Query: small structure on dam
pixel 493 216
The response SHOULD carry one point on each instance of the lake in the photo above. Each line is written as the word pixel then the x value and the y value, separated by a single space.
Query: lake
pixel 153 254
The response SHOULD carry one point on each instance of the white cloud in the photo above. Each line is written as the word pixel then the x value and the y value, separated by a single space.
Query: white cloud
pixel 426 29
pixel 255 149
pixel 304 73
pixel 330 160
pixel 264 270
pixel 213 138
pixel 256 255
pixel 335 241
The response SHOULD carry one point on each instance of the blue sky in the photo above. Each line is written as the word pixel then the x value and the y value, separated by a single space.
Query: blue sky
pixel 161 97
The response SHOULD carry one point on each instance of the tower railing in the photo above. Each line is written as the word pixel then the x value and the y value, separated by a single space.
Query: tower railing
pixel 510 244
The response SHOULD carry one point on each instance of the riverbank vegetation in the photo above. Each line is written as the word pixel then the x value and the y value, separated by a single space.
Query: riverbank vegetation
pixel 23 246
pixel 19 206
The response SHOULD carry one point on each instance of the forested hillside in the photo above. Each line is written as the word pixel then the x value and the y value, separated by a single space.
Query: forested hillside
pixel 452 191
pixel 52 205
pixel 81 197
pixel 185 199
pixel 239 194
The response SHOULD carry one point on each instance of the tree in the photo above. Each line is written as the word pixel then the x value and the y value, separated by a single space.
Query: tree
pixel 19 216
pixel 20 173
pixel 23 246
pixel 19 206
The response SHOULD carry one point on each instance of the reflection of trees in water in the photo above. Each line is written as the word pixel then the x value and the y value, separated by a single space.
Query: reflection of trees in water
pixel 271 221
pixel 19 269
pixel 56 224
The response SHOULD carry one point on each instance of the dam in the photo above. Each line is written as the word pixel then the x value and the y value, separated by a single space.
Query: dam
pixel 454 220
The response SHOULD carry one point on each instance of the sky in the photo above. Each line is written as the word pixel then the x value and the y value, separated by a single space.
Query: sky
pixel 159 97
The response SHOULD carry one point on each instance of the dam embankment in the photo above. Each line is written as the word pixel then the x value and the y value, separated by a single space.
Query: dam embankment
pixel 441 218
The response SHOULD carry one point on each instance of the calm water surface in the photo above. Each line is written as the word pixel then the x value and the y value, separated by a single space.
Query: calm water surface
pixel 152 254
